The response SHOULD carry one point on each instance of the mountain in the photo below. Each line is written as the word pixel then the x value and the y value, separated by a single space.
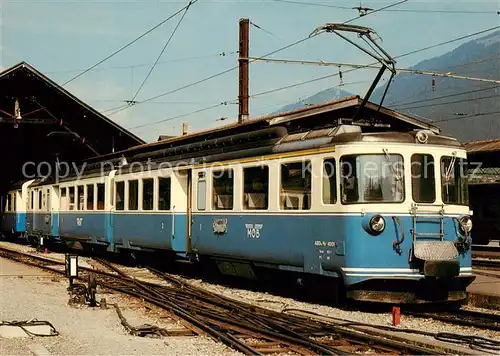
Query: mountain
pixel 328 94
pixel 468 110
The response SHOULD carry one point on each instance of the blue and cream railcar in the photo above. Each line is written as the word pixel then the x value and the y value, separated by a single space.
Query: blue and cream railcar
pixel 384 212
pixel 150 210
pixel 15 210
pixel 85 209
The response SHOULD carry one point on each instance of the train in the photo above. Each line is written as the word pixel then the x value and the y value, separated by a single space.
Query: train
pixel 381 214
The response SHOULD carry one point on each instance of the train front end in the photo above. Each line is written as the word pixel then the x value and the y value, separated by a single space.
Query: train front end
pixel 411 241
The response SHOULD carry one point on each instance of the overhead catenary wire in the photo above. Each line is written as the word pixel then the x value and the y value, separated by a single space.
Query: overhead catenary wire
pixel 445 96
pixel 449 102
pixel 364 66
pixel 466 116
pixel 127 45
pixel 191 2
pixel 391 10
pixel 236 67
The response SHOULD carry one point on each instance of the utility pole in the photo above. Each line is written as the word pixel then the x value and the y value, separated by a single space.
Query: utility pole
pixel 243 74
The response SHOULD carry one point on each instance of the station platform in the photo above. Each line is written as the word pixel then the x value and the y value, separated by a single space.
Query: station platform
pixel 484 292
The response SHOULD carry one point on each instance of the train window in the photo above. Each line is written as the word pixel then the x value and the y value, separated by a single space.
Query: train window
pixel 295 192
pixel 120 195
pixel 14 202
pixel 163 193
pixel 133 194
pixel 80 198
pixel 372 178
pixel 32 200
pixel 202 194
pixel 147 194
pixel 9 202
pixel 40 200
pixel 90 197
pixel 223 190
pixel 47 202
pixel 423 180
pixel 63 200
pixel 454 187
pixel 71 194
pixel 329 182
pixel 256 187
pixel 100 196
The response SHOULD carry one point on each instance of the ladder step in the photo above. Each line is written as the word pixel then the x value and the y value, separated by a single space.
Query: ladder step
pixel 437 234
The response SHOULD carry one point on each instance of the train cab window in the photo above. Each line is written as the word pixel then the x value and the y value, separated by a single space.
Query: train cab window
pixel 120 195
pixel 164 194
pixel 90 197
pixel 423 179
pixel 147 194
pixel 329 182
pixel 454 187
pixel 372 178
pixel 223 190
pixel 256 188
pixel 80 198
pixel 133 194
pixel 71 197
pixel 295 190
pixel 100 196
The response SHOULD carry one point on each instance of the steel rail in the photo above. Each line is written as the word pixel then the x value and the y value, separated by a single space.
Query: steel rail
pixel 220 316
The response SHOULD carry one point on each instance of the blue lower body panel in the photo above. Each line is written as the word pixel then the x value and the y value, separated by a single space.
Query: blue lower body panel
pixel 321 244
pixel 84 226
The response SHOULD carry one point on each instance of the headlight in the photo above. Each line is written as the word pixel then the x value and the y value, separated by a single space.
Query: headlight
pixel 377 224
pixel 465 224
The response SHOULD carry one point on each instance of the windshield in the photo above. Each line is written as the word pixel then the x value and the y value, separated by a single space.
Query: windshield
pixel 376 178
pixel 454 181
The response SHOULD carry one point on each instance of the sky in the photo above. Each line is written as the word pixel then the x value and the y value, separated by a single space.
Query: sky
pixel 63 38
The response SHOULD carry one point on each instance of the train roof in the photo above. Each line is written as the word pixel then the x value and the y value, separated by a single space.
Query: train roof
pixel 328 114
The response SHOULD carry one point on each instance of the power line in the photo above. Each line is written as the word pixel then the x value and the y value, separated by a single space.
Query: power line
pixel 450 102
pixel 191 2
pixel 313 4
pixel 445 96
pixel 127 45
pixel 182 115
pixel 236 67
pixel 373 63
pixel 129 66
pixel 264 30
pixel 465 117
pixel 391 10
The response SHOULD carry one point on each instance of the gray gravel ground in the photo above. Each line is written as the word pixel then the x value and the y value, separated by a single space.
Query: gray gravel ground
pixel 86 331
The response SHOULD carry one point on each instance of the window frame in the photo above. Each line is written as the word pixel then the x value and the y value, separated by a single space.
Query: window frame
pixel 403 200
pixel 123 198
pixel 129 196
pixel 156 200
pixel 435 178
pixel 244 205
pixel 213 191
pixel 310 161
pixel 442 184
pixel 142 189
pixel 336 180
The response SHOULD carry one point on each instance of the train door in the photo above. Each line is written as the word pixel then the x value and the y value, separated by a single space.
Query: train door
pixel 45 214
pixel 54 211
pixel 29 211
pixel 181 211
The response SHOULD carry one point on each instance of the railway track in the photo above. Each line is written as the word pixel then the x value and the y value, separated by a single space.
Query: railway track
pixel 243 327
pixel 486 263
pixel 464 318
